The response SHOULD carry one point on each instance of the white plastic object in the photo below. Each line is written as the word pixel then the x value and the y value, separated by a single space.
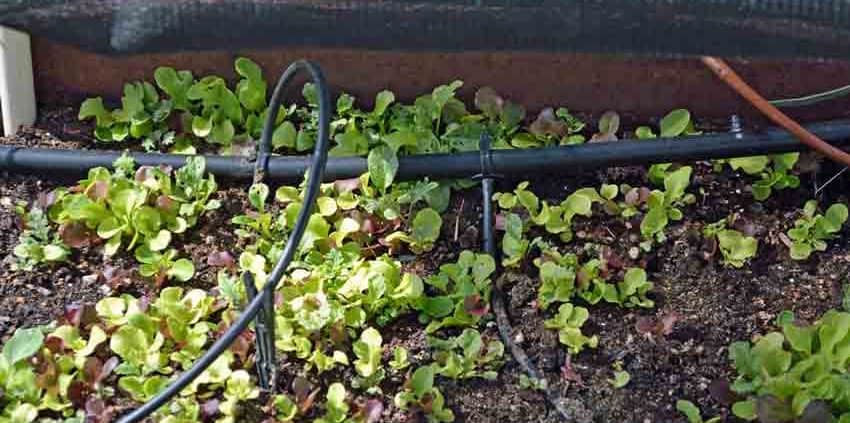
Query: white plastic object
pixel 17 91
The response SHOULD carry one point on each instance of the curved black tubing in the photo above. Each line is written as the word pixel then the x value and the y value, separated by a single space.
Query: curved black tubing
pixel 317 169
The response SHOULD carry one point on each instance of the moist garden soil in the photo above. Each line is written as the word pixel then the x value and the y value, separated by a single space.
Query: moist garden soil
pixel 715 306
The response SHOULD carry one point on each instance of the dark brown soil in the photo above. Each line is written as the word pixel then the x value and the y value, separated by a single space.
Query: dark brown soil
pixel 716 305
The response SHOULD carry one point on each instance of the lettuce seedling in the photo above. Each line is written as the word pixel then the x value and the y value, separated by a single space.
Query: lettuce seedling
pixel 163 266
pixel 143 115
pixel 812 230
pixel 734 246
pixel 665 206
pixel 783 373
pixel 239 388
pixel 400 359
pixel 675 124
pixel 514 245
pixel 568 322
pixel 691 411
pixel 17 377
pixel 467 355
pixel 425 230
pixel 421 396
pixel 220 110
pixel 336 407
pixel 140 211
pixel 368 363
pixel 36 244
pixel 633 289
pixel 463 290
pixel 775 177
pixel 555 219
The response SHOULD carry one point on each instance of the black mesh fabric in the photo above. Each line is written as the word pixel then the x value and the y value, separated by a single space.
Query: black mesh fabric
pixel 788 28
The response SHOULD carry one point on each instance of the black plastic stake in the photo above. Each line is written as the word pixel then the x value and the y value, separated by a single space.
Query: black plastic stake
pixel 263 335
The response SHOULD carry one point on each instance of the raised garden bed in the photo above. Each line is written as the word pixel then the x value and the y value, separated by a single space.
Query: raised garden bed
pixel 640 351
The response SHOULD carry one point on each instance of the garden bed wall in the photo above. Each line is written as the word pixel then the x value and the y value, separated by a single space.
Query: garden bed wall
pixel 647 87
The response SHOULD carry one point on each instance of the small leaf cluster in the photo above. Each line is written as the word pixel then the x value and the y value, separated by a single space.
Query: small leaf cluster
pixel 674 124
pixel 37 244
pixel 139 211
pixel 800 370
pixel 735 247
pixel 135 209
pixel 692 412
pixel 568 323
pixel 185 109
pixel 812 230
pixel 562 278
pixel 70 369
pixel 461 293
pixel 773 170
pixel 421 397
pixel 467 355
pixel 664 206
pixel 556 220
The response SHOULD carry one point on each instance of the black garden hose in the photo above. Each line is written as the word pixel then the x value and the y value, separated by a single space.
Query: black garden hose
pixel 511 163
pixel 314 178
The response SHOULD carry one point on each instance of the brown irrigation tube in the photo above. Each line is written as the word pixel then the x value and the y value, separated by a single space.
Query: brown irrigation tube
pixel 724 72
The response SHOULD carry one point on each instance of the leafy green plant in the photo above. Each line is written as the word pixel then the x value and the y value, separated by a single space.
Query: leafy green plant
pixel 143 115
pixel 568 322
pixel 420 396
pixel 36 244
pixel 400 359
pixel 676 123
pixel 556 220
pixel 621 377
pixel 735 247
pixel 691 411
pixel 336 407
pixel 239 388
pixel 368 363
pixel 664 206
pixel 774 172
pixel 164 265
pixel 138 212
pixel 467 355
pixel 535 384
pixel 812 230
pixel 463 292
pixel 784 374
pixel 562 277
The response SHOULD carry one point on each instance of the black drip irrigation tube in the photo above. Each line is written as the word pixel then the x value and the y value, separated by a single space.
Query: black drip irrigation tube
pixel 551 160
pixel 259 300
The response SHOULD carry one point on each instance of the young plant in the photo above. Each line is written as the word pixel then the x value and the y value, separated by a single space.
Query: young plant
pixel 421 397
pixel 534 384
pixel 785 375
pixel 36 244
pixel 812 230
pixel 735 247
pixel 368 363
pixel 143 115
pixel 137 211
pixel 774 172
pixel 400 359
pixel 162 266
pixel 691 411
pixel 664 206
pixel 568 322
pixel 463 292
pixel 621 377
pixel 675 124
pixel 467 355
